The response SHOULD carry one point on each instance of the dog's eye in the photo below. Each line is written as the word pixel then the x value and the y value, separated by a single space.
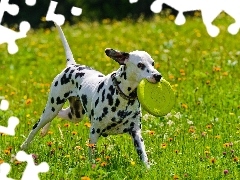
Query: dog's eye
pixel 141 65
pixel 153 64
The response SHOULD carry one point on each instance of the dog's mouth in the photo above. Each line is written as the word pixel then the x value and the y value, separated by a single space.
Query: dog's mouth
pixel 154 79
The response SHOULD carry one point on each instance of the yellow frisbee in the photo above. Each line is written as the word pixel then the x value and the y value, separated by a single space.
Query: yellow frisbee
pixel 157 99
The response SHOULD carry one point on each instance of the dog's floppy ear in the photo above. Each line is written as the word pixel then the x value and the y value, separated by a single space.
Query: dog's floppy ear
pixel 120 57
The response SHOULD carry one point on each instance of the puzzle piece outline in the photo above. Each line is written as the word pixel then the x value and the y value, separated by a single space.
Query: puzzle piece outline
pixel 30 172
pixel 208 14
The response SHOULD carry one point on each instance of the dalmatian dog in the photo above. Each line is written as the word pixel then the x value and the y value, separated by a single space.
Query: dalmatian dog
pixel 109 101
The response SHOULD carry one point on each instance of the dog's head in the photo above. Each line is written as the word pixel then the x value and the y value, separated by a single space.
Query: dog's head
pixel 139 63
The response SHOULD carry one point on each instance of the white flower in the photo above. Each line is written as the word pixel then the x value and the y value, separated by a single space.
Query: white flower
pixel 178 115
pixel 170 122
pixel 230 63
pixel 189 122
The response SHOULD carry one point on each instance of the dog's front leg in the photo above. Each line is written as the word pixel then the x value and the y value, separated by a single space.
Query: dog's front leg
pixel 139 145
pixel 92 144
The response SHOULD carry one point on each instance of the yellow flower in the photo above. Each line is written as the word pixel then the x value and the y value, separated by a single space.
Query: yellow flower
pixel 107 157
pixel 151 132
pixel 74 133
pixel 98 159
pixel 78 148
pixel 28 101
pixel 175 176
pixel 213 160
pixel 103 164
pixel 132 163
pixel 50 132
pixel 49 143
pixel 7 152
pixel 87 124
pixel 235 159
pixel 85 178
pixel 163 145
pixel 185 106
pixel 67 125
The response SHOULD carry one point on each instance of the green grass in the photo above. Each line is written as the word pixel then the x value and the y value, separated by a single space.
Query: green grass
pixel 199 140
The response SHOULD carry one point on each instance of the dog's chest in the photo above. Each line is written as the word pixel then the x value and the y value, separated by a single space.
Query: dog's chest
pixel 112 114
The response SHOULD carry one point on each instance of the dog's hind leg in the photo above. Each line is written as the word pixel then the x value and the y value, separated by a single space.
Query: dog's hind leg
pixel 51 110
pixel 75 112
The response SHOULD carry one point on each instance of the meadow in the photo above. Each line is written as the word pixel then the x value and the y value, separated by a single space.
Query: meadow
pixel 198 139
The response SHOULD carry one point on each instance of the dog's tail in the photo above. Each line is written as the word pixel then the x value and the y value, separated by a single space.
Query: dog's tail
pixel 68 52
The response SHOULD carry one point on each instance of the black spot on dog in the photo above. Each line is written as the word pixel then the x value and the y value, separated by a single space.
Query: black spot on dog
pixel 72 71
pixel 60 101
pixel 84 101
pixel 117 102
pixel 100 118
pixel 113 109
pixel 66 94
pixel 72 81
pixel 113 119
pixel 79 75
pixel 125 130
pixel 136 114
pixel 125 122
pixel 92 112
pixel 36 124
pixel 109 127
pixel 64 80
pixel 66 70
pixel 111 89
pixel 110 99
pixel 56 83
pixel 123 114
pixel 96 102
pixel 76 84
pixel 100 86
pixel 132 124
pixel 129 88
pixel 93 131
pixel 52 100
pixel 53 109
pixel 80 87
pixel 113 124
pixel 103 95
pixel 105 111
pixel 98 130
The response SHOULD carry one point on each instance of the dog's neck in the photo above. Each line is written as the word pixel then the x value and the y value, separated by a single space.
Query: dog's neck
pixel 125 84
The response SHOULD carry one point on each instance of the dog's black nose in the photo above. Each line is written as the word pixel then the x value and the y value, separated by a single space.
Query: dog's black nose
pixel 157 77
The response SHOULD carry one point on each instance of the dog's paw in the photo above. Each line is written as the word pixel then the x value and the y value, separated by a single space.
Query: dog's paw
pixel 24 146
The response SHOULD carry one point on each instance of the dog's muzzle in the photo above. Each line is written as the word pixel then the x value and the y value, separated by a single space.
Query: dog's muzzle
pixel 157 77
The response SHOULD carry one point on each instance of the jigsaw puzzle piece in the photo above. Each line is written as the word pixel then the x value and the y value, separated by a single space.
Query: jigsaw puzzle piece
pixel 51 16
pixel 12 9
pixel 30 2
pixel 4 105
pixel 12 123
pixel 4 171
pixel 11 36
pixel 32 170
pixel 232 9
